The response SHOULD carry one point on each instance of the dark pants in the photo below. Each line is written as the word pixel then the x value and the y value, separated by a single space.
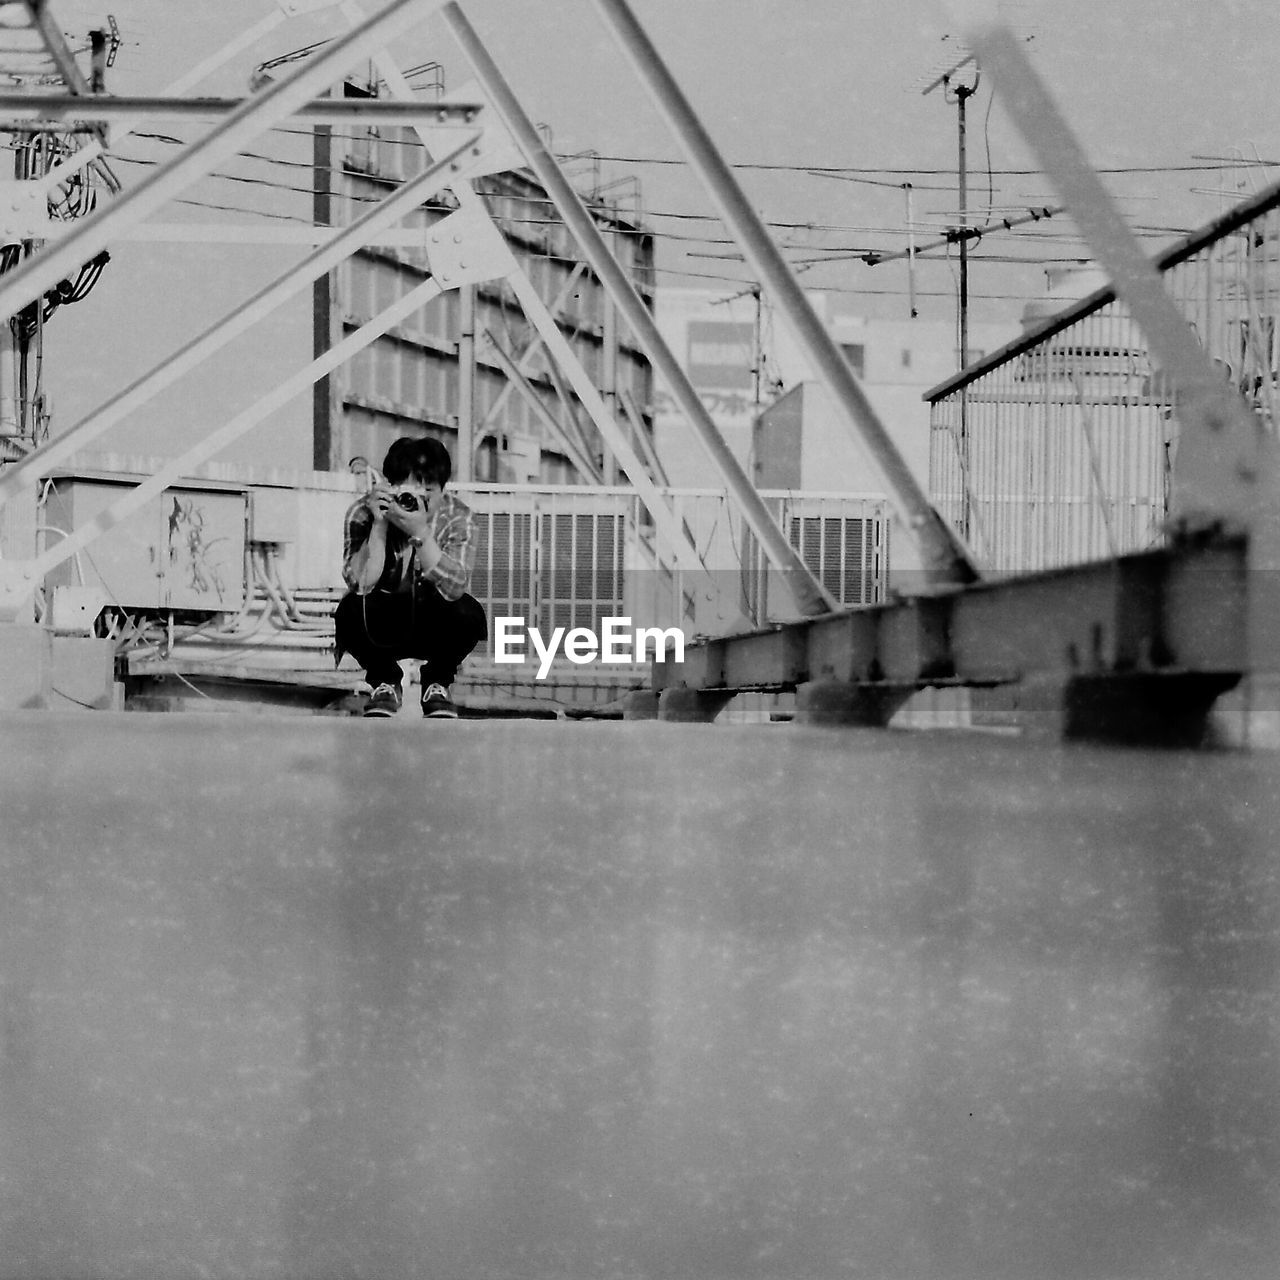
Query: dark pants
pixel 380 628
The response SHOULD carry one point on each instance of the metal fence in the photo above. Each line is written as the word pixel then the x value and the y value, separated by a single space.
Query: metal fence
pixel 1059 447
pixel 571 555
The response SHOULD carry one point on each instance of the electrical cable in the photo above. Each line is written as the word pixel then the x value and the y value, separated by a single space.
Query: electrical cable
pixel 355 197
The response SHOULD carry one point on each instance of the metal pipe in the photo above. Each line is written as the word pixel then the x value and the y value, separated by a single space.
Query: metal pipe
pixel 810 596
pixel 93 112
pixel 943 556
pixel 14 478
pixel 43 270
pixel 305 235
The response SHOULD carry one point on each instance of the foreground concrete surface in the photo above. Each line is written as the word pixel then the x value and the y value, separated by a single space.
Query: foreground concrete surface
pixel 289 997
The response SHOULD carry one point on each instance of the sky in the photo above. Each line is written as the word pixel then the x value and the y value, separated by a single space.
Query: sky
pixel 784 87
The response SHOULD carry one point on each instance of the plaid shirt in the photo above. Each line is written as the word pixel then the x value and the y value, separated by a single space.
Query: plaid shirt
pixel 453 527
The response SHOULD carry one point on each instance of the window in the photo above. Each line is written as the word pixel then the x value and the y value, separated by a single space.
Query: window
pixel 856 354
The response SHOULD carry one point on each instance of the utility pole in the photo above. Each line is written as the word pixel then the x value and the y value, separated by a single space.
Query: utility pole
pixel 323 444
pixel 609 373
pixel 465 451
pixel 960 93
pixel 757 351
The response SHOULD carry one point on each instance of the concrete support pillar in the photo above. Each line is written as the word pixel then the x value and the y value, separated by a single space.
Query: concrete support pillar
pixel 692 706
pixel 840 702
pixel 24 666
pixel 40 669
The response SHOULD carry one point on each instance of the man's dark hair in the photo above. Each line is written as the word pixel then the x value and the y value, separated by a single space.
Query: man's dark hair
pixel 419 458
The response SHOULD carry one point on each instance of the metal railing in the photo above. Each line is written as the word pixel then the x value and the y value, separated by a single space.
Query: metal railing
pixel 569 555
pixel 564 555
pixel 1059 447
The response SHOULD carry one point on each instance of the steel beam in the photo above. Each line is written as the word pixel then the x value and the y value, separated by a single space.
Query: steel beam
pixel 1133 649
pixel 945 559
pixel 242 423
pixel 1227 465
pixel 94 112
pixel 627 400
pixel 20 475
pixel 43 270
pixel 572 422
pixel 527 356
pixel 810 596
pixel 247 233
pixel 1217 461
pixel 544 415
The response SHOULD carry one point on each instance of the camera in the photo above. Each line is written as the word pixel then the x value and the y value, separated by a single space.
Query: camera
pixel 408 501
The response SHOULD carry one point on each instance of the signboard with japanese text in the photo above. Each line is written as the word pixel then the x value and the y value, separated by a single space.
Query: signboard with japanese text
pixel 718 360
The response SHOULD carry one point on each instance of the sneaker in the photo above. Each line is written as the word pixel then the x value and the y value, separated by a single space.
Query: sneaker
pixel 383 701
pixel 436 703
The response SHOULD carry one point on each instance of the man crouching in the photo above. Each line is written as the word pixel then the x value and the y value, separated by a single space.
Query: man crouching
pixel 408 552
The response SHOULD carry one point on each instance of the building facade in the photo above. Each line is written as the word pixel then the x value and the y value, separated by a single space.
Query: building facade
pixel 416 379
pixel 779 420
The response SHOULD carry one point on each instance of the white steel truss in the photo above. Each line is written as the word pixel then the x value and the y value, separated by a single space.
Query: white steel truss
pixel 453 258
pixel 473 250
pixel 43 270
pixel 340 246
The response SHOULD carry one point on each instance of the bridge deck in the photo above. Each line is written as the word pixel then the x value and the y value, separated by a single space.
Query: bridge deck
pixel 321 997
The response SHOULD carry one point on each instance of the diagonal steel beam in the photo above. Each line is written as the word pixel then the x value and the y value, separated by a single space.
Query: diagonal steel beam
pixel 43 270
pixel 525 361
pixel 1217 459
pixel 17 477
pixel 544 415
pixel 571 419
pixel 216 441
pixel 1227 466
pixel 627 399
pixel 945 558
pixel 810 595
